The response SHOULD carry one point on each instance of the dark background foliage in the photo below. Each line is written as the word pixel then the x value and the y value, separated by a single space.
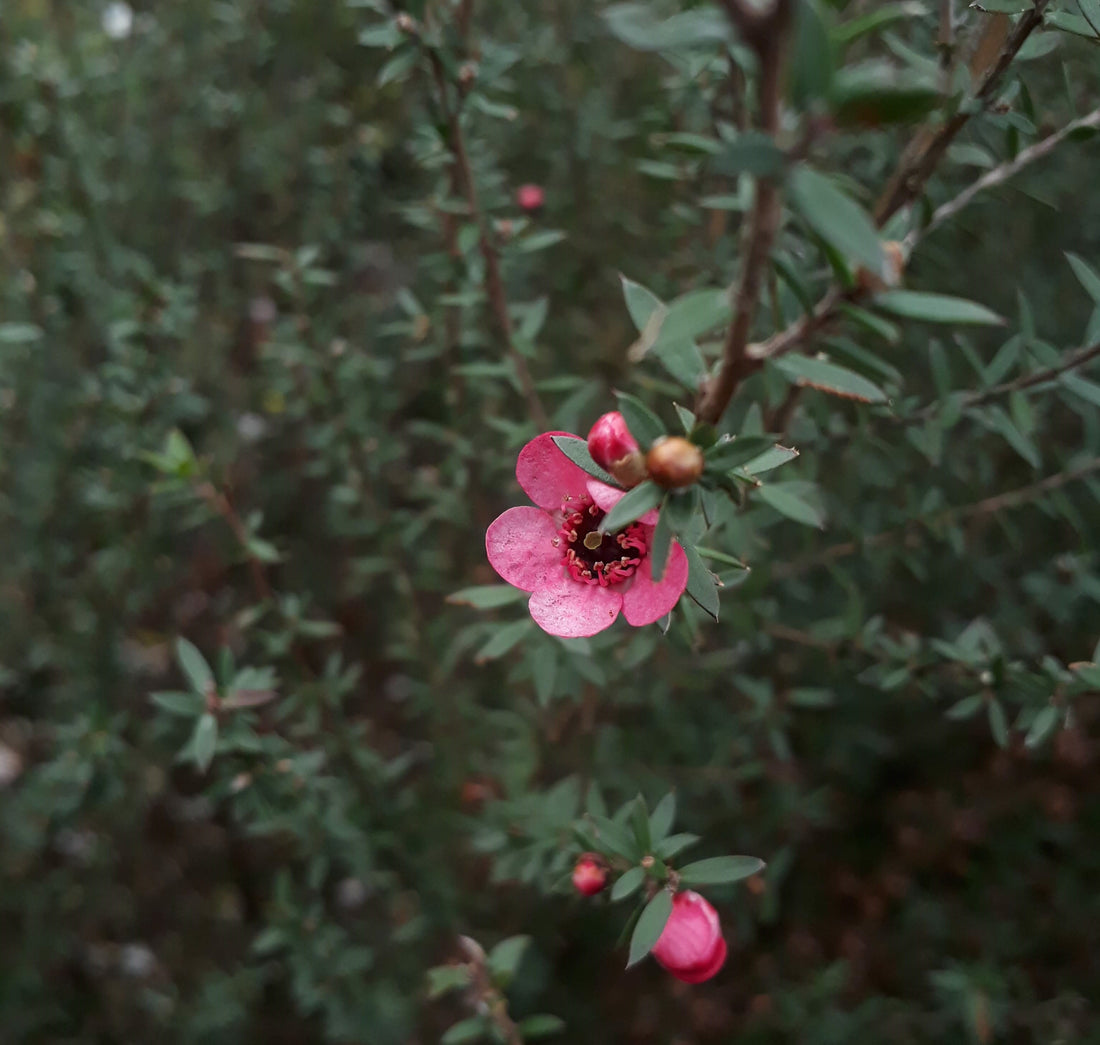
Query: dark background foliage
pixel 229 225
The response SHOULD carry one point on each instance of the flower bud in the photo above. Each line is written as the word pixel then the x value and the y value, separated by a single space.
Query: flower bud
pixel 590 875
pixel 691 946
pixel 530 197
pixel 673 462
pixel 614 448
pixel 893 268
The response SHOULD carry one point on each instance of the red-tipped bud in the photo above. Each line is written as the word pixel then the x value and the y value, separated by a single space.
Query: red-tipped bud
pixel 530 197
pixel 590 875
pixel 691 946
pixel 613 447
pixel 673 462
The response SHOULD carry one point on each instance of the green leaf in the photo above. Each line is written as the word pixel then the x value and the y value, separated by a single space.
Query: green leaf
pixel 640 26
pixel 1042 726
pixel 966 708
pixel 877 19
pixel 660 544
pixel 615 838
pixel 770 459
pixel 1086 276
pixel 186 705
pixel 505 957
pixel 540 1026
pixel 644 424
pixel 735 452
pixel 1088 672
pixel 632 506
pixel 789 499
pixel 194 666
pixel 639 821
pixel 829 377
pixel 836 218
pixel 204 740
pixel 721 870
pixel 812 60
pixel 471 1029
pixel 660 821
pixel 539 241
pixel 504 638
pixel 700 585
pixel 628 883
pixel 650 926
pixel 875 93
pixel 935 308
pixel 577 452
pixel 19 333
pixel 998 724
pixel 444 978
pixel 751 152
pixel 674 844
pixel 487 596
pixel 640 302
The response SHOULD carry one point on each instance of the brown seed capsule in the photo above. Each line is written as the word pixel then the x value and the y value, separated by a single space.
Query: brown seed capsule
pixel 674 462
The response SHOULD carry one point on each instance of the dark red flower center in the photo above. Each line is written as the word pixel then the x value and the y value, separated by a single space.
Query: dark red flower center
pixel 592 557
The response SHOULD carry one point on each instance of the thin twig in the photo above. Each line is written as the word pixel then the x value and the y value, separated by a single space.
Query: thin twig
pixel 999 175
pixel 494 283
pixel 1041 377
pixel 824 311
pixel 912 532
pixel 909 179
pixel 766 33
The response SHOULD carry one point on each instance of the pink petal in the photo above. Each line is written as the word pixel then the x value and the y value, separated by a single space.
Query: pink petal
pixel 707 970
pixel 520 546
pixel 690 936
pixel 606 497
pixel 546 474
pixel 572 609
pixel 647 601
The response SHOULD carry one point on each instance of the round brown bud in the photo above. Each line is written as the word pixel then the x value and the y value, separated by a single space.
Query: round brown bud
pixel 673 462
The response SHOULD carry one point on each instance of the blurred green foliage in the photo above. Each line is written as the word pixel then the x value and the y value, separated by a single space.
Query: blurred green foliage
pixel 250 395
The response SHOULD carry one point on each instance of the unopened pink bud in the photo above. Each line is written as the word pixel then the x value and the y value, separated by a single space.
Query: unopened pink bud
pixel 613 447
pixel 589 875
pixel 691 946
pixel 530 197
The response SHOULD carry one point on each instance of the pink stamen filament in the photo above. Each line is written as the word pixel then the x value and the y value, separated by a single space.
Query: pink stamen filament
pixel 598 565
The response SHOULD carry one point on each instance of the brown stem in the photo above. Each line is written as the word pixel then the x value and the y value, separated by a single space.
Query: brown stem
pixel 766 33
pixel 911 535
pixel 909 179
pixel 221 506
pixel 494 283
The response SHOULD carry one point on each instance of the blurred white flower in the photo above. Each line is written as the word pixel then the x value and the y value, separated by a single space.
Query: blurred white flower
pixel 118 20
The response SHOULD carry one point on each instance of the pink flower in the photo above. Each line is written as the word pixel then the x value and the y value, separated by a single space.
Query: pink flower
pixel 579 579
pixel 691 946
pixel 589 875
pixel 530 197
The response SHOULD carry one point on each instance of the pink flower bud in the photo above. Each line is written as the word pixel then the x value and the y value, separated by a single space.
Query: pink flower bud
pixel 589 875
pixel 614 448
pixel 691 946
pixel 530 197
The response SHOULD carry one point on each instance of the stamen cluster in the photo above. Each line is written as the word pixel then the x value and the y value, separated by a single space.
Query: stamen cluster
pixel 593 557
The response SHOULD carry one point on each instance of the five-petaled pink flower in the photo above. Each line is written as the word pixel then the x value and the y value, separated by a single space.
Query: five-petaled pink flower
pixel 691 946
pixel 579 579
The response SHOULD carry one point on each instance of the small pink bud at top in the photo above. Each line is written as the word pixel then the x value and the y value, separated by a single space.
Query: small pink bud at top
pixel 691 946
pixel 530 197
pixel 589 875
pixel 614 448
